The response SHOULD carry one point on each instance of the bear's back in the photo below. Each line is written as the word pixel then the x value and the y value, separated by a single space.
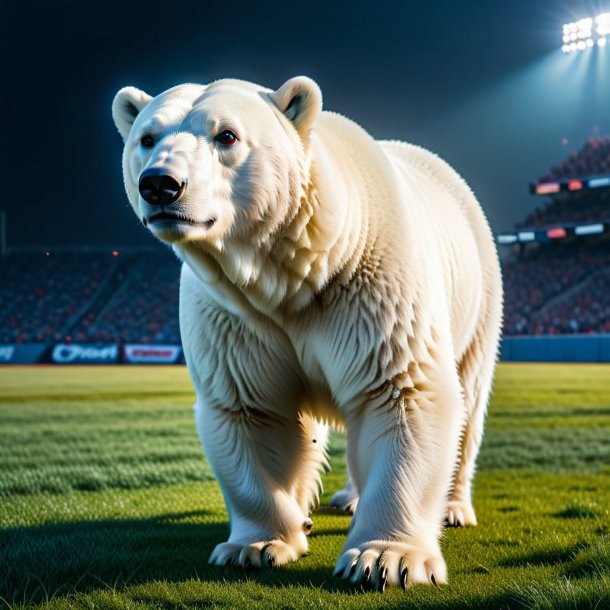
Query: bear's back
pixel 459 222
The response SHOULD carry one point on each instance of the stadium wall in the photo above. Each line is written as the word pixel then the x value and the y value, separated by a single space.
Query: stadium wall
pixel 566 348
pixel 90 353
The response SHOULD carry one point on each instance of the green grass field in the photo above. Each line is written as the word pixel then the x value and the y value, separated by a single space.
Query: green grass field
pixel 106 500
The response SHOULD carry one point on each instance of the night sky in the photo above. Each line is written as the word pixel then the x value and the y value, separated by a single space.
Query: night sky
pixel 483 84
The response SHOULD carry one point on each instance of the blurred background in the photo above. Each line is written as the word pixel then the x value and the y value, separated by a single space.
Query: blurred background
pixel 515 101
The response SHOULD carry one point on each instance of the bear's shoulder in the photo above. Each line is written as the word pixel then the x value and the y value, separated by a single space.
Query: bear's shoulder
pixel 347 141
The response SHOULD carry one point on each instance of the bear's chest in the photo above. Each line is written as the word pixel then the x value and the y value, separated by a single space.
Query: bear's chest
pixel 343 346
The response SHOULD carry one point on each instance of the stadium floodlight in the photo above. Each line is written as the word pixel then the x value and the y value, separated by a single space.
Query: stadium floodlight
pixel 586 33
pixel 602 23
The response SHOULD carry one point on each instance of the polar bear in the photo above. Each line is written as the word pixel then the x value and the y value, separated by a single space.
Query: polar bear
pixel 328 279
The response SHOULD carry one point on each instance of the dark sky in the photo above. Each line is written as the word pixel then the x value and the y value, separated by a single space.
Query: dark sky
pixel 482 83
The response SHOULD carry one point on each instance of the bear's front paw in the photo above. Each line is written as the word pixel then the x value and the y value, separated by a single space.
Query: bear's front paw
pixel 460 513
pixel 267 554
pixel 379 563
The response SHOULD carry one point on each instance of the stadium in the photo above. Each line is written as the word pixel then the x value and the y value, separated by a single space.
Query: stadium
pixel 107 500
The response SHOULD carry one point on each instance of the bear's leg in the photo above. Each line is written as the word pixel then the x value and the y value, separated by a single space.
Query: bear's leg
pixel 258 459
pixel 347 498
pixel 250 394
pixel 476 371
pixel 308 485
pixel 402 449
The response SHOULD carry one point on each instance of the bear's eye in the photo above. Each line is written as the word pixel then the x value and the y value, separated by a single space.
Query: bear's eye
pixel 226 138
pixel 147 141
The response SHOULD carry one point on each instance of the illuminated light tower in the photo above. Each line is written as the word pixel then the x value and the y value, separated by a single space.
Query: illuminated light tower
pixel 586 33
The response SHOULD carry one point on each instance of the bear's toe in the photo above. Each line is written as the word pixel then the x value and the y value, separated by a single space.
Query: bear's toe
pixel 345 500
pixel 377 564
pixel 225 554
pixel 264 554
pixel 269 554
pixel 460 513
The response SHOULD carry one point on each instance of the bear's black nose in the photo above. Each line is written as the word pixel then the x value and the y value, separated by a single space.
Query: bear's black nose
pixel 158 188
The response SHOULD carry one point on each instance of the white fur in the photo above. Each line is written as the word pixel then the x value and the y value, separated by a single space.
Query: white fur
pixel 344 281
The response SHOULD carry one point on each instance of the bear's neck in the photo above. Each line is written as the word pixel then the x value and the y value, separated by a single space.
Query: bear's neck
pixel 323 240
pixel 318 243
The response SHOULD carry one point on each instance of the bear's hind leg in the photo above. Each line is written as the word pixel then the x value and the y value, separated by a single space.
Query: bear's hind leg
pixel 476 370
pixel 346 499
pixel 313 461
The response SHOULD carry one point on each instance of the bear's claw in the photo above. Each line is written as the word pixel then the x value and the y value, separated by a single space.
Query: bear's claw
pixel 346 500
pixel 268 554
pixel 460 514
pixel 378 564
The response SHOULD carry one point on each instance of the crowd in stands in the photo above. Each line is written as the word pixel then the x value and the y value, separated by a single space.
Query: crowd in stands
pixel 52 297
pixel 593 159
pixel 547 289
pixel 572 208
pixel 563 288
pixel 584 310
pixel 557 288
pixel 42 292
pixel 144 308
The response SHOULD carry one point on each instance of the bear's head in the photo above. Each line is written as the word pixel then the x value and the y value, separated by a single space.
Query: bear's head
pixel 207 163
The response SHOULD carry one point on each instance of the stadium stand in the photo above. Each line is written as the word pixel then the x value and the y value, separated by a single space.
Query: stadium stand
pixel 42 293
pixel 89 297
pixel 584 309
pixel 562 286
pixel 144 308
pixel 570 209
pixel 546 287
pixel 591 160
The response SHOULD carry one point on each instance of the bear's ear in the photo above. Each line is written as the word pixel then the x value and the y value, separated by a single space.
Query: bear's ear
pixel 300 100
pixel 127 105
